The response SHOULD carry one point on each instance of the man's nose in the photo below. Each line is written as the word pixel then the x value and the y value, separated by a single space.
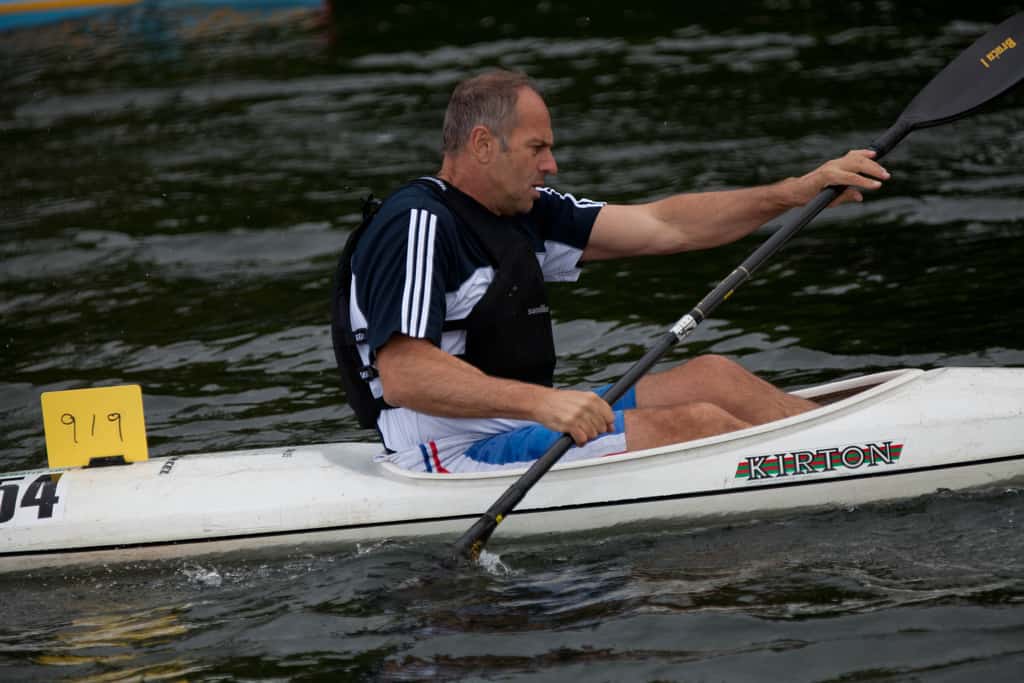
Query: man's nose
pixel 548 165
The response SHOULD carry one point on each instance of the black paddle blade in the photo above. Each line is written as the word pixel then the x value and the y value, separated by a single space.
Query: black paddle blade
pixel 984 71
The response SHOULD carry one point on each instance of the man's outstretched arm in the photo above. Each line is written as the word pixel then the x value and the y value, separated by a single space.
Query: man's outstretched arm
pixel 700 220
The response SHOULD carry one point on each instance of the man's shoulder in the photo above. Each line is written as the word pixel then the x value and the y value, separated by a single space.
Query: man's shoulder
pixel 414 214
pixel 413 196
pixel 562 217
pixel 553 209
pixel 406 211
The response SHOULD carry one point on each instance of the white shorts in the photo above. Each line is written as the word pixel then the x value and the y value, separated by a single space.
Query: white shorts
pixel 480 445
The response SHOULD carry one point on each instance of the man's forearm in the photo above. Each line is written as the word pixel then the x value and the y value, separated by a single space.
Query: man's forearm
pixel 417 375
pixel 685 222
pixel 708 219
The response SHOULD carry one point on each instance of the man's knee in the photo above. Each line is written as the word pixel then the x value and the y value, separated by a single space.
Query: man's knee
pixel 684 422
pixel 706 417
pixel 712 364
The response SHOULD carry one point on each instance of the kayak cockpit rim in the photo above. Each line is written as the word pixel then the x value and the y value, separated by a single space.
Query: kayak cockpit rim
pixel 837 396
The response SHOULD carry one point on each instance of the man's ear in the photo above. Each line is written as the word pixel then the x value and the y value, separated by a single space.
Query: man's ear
pixel 482 144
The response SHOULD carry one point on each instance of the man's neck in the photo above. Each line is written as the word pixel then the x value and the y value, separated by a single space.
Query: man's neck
pixel 470 183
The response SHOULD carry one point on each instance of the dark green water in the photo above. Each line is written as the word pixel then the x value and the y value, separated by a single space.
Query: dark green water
pixel 174 188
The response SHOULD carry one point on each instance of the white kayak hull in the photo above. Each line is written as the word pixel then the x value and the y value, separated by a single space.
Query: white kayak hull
pixel 899 434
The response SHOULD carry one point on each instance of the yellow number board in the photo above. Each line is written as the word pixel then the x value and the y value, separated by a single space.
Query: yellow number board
pixel 84 424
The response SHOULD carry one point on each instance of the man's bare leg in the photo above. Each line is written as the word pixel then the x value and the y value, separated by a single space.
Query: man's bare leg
pixel 651 427
pixel 722 383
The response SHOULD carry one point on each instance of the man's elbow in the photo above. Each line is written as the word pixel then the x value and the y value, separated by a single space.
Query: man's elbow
pixel 394 392
pixel 392 371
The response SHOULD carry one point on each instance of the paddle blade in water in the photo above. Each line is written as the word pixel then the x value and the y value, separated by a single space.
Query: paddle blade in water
pixel 985 70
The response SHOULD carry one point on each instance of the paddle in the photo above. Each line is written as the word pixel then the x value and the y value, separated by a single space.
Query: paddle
pixel 987 69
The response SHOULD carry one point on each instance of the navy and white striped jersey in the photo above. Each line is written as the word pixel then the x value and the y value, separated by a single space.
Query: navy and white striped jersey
pixel 414 268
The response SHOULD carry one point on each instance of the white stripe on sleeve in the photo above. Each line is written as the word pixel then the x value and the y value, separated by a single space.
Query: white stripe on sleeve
pixel 416 306
pixel 410 264
pixel 428 279
pixel 419 271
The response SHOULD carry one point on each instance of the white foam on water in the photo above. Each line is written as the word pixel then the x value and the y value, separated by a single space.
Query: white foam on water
pixel 202 576
pixel 492 564
pixel 367 549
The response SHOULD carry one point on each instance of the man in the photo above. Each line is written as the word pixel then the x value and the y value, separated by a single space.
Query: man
pixel 441 299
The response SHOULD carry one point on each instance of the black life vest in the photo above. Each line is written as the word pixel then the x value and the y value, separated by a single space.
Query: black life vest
pixel 508 332
pixel 355 376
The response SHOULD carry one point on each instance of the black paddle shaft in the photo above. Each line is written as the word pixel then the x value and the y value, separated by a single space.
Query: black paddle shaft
pixel 988 68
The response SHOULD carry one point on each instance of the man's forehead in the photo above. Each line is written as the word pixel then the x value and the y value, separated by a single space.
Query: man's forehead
pixel 533 121
pixel 530 104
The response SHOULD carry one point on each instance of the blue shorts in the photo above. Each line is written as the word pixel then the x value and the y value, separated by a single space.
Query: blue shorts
pixel 529 443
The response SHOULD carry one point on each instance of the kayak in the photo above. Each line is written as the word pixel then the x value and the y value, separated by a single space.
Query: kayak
pixel 878 437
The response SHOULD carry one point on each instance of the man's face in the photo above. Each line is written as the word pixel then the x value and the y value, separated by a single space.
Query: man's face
pixel 521 168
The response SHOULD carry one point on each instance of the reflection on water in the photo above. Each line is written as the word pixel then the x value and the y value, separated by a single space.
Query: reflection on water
pixel 178 181
pixel 113 643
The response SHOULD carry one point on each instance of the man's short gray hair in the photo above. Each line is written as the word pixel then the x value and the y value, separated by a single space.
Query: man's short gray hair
pixel 488 100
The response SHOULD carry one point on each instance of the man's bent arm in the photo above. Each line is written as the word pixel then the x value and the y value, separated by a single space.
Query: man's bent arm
pixel 416 374
pixel 686 222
